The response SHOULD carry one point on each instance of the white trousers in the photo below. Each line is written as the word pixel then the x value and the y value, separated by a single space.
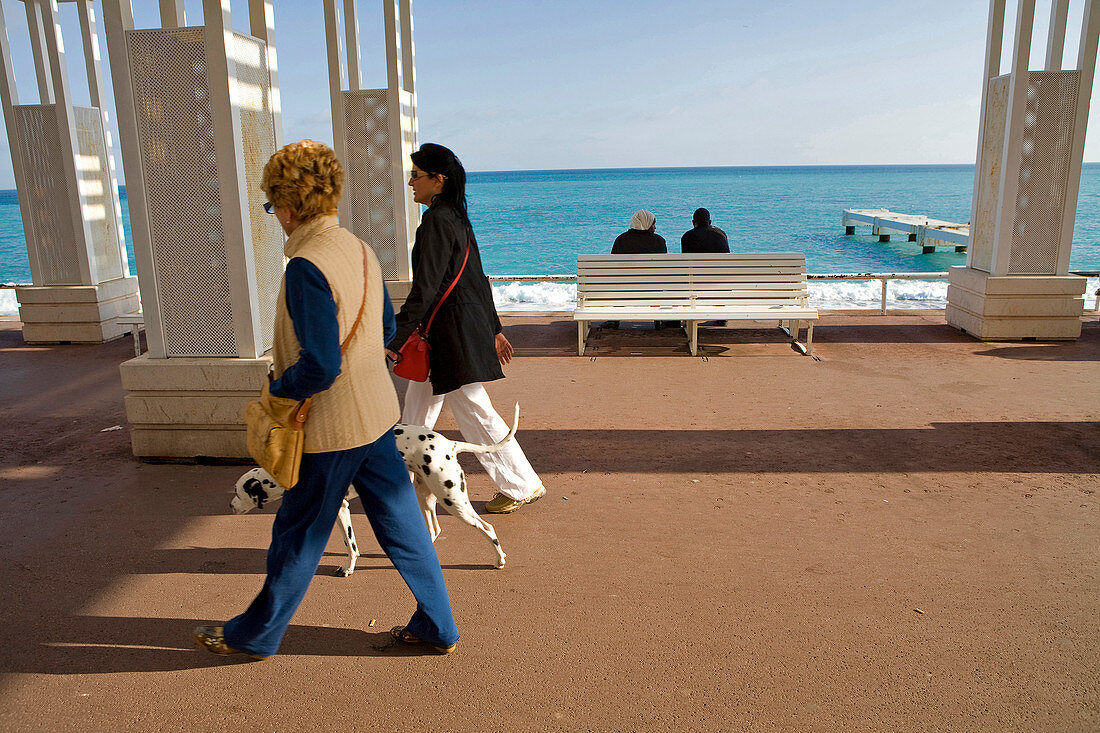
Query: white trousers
pixel 479 423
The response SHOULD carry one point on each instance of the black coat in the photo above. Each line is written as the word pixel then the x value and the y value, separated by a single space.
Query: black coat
pixel 639 242
pixel 463 335
pixel 704 239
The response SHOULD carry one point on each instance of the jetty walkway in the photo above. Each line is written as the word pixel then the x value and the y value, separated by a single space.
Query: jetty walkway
pixel 927 232
pixel 902 535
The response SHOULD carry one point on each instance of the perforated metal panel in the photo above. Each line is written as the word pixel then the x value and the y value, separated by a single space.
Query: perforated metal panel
pixel 97 199
pixel 258 135
pixel 171 93
pixel 984 220
pixel 1046 149
pixel 368 184
pixel 46 198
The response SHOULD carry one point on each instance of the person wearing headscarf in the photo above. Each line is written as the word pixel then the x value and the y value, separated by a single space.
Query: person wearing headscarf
pixel 332 288
pixel 703 238
pixel 641 238
pixel 468 345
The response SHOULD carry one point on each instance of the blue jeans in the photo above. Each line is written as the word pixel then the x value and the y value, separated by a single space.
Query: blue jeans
pixel 304 524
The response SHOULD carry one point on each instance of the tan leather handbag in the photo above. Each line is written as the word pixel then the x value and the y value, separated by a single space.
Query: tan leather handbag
pixel 276 425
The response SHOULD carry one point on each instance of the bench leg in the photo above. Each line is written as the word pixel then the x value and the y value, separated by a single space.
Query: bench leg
pixel 693 337
pixel 806 349
pixel 136 333
pixel 582 335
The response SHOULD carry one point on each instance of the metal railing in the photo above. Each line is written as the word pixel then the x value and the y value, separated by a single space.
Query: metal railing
pixel 885 277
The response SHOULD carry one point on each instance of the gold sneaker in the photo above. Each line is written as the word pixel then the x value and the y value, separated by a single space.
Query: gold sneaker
pixel 501 504
pixel 212 639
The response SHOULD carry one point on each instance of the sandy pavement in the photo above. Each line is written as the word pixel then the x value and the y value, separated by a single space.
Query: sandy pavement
pixel 904 535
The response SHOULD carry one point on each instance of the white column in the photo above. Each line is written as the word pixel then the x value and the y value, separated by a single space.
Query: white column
pixel 408 66
pixel 9 97
pixel 351 45
pixel 408 79
pixel 66 124
pixel 1056 34
pixel 91 51
pixel 38 51
pixel 398 178
pixel 1014 133
pixel 118 17
pixel 393 46
pixel 236 224
pixel 993 40
pixel 171 14
pixel 261 19
pixel 336 95
pixel 1086 66
pixel 92 60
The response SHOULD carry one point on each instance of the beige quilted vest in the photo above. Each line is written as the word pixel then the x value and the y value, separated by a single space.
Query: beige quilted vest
pixel 361 404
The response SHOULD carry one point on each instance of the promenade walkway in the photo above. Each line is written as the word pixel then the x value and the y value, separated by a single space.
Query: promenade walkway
pixel 900 536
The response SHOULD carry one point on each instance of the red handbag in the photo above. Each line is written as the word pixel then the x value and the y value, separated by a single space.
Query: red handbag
pixel 414 357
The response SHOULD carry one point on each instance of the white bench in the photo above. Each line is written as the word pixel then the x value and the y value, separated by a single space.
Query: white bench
pixel 136 322
pixel 755 286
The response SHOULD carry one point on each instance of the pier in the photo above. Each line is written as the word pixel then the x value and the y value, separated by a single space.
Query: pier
pixel 928 233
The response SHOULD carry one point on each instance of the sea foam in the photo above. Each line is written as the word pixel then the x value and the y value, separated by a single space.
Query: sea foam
pixel 8 305
pixel 517 296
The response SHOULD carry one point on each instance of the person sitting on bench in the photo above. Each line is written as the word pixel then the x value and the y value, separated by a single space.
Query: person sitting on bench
pixel 702 237
pixel 641 239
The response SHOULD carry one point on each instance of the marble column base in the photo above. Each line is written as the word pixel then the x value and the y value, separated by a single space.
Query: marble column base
pixel 77 314
pixel 185 408
pixel 1015 307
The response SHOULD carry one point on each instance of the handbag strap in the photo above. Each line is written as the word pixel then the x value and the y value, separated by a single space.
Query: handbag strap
pixel 299 417
pixel 452 287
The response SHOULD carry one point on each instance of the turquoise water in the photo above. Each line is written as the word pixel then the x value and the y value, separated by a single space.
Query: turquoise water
pixel 537 222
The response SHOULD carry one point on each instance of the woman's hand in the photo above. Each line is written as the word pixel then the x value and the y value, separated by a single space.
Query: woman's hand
pixel 392 356
pixel 504 349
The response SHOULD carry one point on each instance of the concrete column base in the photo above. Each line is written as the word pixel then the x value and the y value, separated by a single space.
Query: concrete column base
pixel 190 408
pixel 78 314
pixel 1015 307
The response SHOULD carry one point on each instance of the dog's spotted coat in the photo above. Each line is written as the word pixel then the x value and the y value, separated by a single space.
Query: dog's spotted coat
pixel 432 461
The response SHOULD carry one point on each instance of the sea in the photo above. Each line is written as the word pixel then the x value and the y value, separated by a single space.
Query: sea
pixel 535 223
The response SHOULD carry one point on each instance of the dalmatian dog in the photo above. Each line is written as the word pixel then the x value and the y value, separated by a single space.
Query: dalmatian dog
pixel 432 461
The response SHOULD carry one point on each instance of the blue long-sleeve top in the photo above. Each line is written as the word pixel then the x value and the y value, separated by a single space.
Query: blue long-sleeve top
pixel 312 310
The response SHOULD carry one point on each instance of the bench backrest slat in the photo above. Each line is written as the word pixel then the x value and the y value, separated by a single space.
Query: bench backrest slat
pixel 753 278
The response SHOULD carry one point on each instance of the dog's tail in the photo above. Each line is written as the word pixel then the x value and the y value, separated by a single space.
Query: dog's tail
pixel 460 447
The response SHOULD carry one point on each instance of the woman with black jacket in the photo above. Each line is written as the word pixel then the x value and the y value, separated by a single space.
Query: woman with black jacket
pixel 467 344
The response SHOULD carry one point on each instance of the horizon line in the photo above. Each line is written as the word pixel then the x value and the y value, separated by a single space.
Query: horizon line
pixel 708 167
pixel 724 167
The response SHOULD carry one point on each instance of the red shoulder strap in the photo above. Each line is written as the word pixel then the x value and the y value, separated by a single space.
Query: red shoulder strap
pixel 452 287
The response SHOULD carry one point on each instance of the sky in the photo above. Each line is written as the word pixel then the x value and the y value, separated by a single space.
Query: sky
pixel 528 84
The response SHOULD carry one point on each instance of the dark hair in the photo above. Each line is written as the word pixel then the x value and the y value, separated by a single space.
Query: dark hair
pixel 701 216
pixel 435 159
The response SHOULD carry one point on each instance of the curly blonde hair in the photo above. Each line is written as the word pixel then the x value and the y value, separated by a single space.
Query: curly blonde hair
pixel 304 177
